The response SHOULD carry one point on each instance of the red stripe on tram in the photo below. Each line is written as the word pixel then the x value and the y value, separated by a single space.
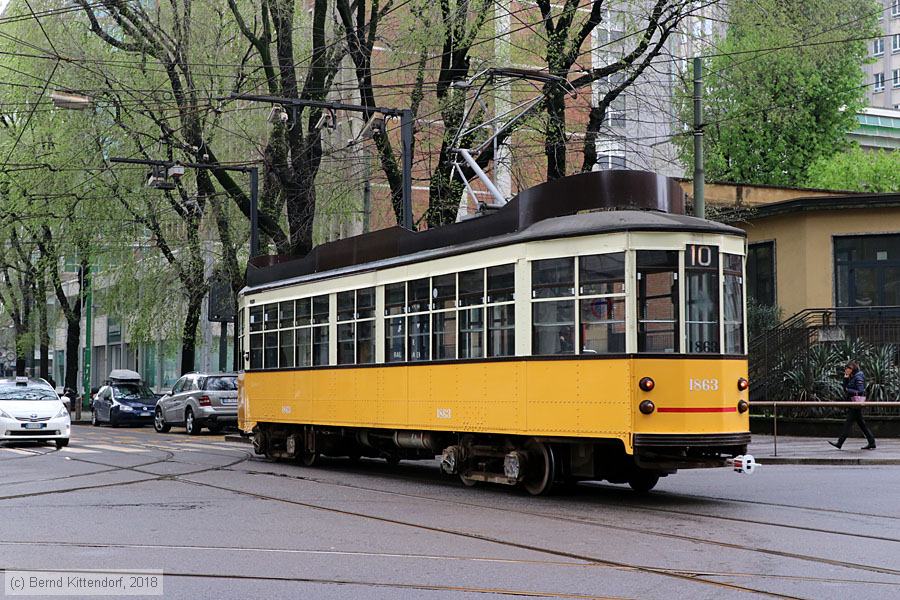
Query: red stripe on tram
pixel 698 409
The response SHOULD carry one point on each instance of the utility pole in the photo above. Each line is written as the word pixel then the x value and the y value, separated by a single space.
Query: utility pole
pixel 699 174
pixel 253 171
pixel 406 132
pixel 88 330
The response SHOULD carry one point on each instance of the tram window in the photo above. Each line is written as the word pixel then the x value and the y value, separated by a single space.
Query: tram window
pixel 553 278
pixel 270 316
pixel 320 345
pixel 657 281
pixel 471 287
pixel 417 325
pixel 444 326
pixel 734 304
pixel 702 299
pixel 365 342
pixel 320 309
pixel 553 327
pixel 286 351
pixel 471 332
pixel 395 339
pixel 443 291
pixel 303 312
pixel 501 283
pixel 365 303
pixel 418 293
pixel 394 299
pixel 346 347
pixel 256 351
pixel 256 318
pixel 502 330
pixel 602 325
pixel 271 350
pixel 286 314
pixel 601 274
pixel 304 347
pixel 345 306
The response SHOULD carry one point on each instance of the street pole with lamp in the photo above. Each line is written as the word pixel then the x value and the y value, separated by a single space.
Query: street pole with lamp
pixel 406 133
pixel 159 178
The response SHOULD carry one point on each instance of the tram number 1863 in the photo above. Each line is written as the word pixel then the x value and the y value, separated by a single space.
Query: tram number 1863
pixel 703 385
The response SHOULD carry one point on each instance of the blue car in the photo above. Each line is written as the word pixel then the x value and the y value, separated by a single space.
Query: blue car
pixel 124 400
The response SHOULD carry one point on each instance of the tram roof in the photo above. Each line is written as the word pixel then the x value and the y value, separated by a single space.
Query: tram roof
pixel 620 201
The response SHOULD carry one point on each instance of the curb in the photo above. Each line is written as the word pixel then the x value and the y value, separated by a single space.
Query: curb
pixel 237 438
pixel 800 460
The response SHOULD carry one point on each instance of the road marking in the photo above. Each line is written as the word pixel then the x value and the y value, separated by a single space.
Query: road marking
pixel 80 450
pixel 113 448
pixel 22 452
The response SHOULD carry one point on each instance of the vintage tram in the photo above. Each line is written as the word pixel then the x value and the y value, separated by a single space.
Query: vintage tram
pixel 587 329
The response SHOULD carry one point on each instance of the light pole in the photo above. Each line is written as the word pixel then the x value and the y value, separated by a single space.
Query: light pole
pixel 253 171
pixel 406 133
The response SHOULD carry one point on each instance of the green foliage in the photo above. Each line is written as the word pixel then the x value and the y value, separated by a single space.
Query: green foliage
pixel 857 170
pixel 771 112
pixel 761 318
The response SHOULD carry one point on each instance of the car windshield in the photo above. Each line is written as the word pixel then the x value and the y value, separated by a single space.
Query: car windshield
pixel 132 391
pixel 221 384
pixel 26 393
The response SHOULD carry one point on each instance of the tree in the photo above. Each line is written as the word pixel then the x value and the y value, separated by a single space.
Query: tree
pixel 782 88
pixel 857 170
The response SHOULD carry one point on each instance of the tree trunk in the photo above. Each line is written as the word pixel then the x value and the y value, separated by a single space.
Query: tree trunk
pixel 73 342
pixel 555 143
pixel 189 332
pixel 43 329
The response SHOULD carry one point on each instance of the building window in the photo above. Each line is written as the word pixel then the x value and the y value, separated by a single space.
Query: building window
pixel 867 270
pixel 879 82
pixel 610 154
pixel 878 46
pixel 895 8
pixel 615 112
pixel 657 280
pixel 895 42
pixel 895 75
pixel 761 273
pixel 734 303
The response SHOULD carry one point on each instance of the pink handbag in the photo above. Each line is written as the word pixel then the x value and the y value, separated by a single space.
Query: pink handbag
pixel 858 398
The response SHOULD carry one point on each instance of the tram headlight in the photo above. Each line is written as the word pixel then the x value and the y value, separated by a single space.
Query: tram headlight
pixel 647 407
pixel 646 384
pixel 743 384
pixel 743 406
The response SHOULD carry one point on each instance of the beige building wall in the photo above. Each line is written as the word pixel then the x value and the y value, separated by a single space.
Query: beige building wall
pixel 732 194
pixel 804 252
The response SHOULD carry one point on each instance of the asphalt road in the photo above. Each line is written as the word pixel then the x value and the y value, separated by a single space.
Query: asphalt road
pixel 222 523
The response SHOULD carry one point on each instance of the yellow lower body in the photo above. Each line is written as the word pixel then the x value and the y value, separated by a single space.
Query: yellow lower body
pixel 589 398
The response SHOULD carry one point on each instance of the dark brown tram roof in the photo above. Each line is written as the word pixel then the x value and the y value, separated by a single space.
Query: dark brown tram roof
pixel 625 201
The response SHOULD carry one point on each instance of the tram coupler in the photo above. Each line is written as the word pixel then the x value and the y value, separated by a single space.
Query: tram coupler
pixel 745 463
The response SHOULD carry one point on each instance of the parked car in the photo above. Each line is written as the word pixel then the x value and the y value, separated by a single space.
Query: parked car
pixel 124 399
pixel 199 400
pixel 30 410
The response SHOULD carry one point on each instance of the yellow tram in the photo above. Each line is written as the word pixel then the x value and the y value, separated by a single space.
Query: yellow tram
pixel 586 330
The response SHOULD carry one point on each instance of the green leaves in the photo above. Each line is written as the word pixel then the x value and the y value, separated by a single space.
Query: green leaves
pixel 857 170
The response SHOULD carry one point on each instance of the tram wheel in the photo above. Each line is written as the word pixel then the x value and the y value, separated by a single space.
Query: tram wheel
pixel 541 471
pixel 310 459
pixel 642 480
pixel 468 481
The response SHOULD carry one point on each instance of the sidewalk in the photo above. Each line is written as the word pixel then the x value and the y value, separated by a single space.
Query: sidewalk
pixel 817 451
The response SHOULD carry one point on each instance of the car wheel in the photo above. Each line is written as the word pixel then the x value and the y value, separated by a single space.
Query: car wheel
pixel 62 443
pixel 190 423
pixel 159 422
pixel 94 420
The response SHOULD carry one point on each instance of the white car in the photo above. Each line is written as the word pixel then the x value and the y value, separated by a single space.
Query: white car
pixel 30 410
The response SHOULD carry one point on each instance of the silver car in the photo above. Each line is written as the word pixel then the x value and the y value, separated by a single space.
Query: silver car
pixel 199 400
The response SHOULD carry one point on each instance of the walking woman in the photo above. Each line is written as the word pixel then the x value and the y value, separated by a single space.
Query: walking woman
pixel 855 391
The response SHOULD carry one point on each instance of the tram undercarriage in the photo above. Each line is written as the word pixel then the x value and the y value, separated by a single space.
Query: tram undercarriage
pixel 537 464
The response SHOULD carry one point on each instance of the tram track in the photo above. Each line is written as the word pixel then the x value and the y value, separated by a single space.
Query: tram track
pixel 595 523
pixel 493 540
